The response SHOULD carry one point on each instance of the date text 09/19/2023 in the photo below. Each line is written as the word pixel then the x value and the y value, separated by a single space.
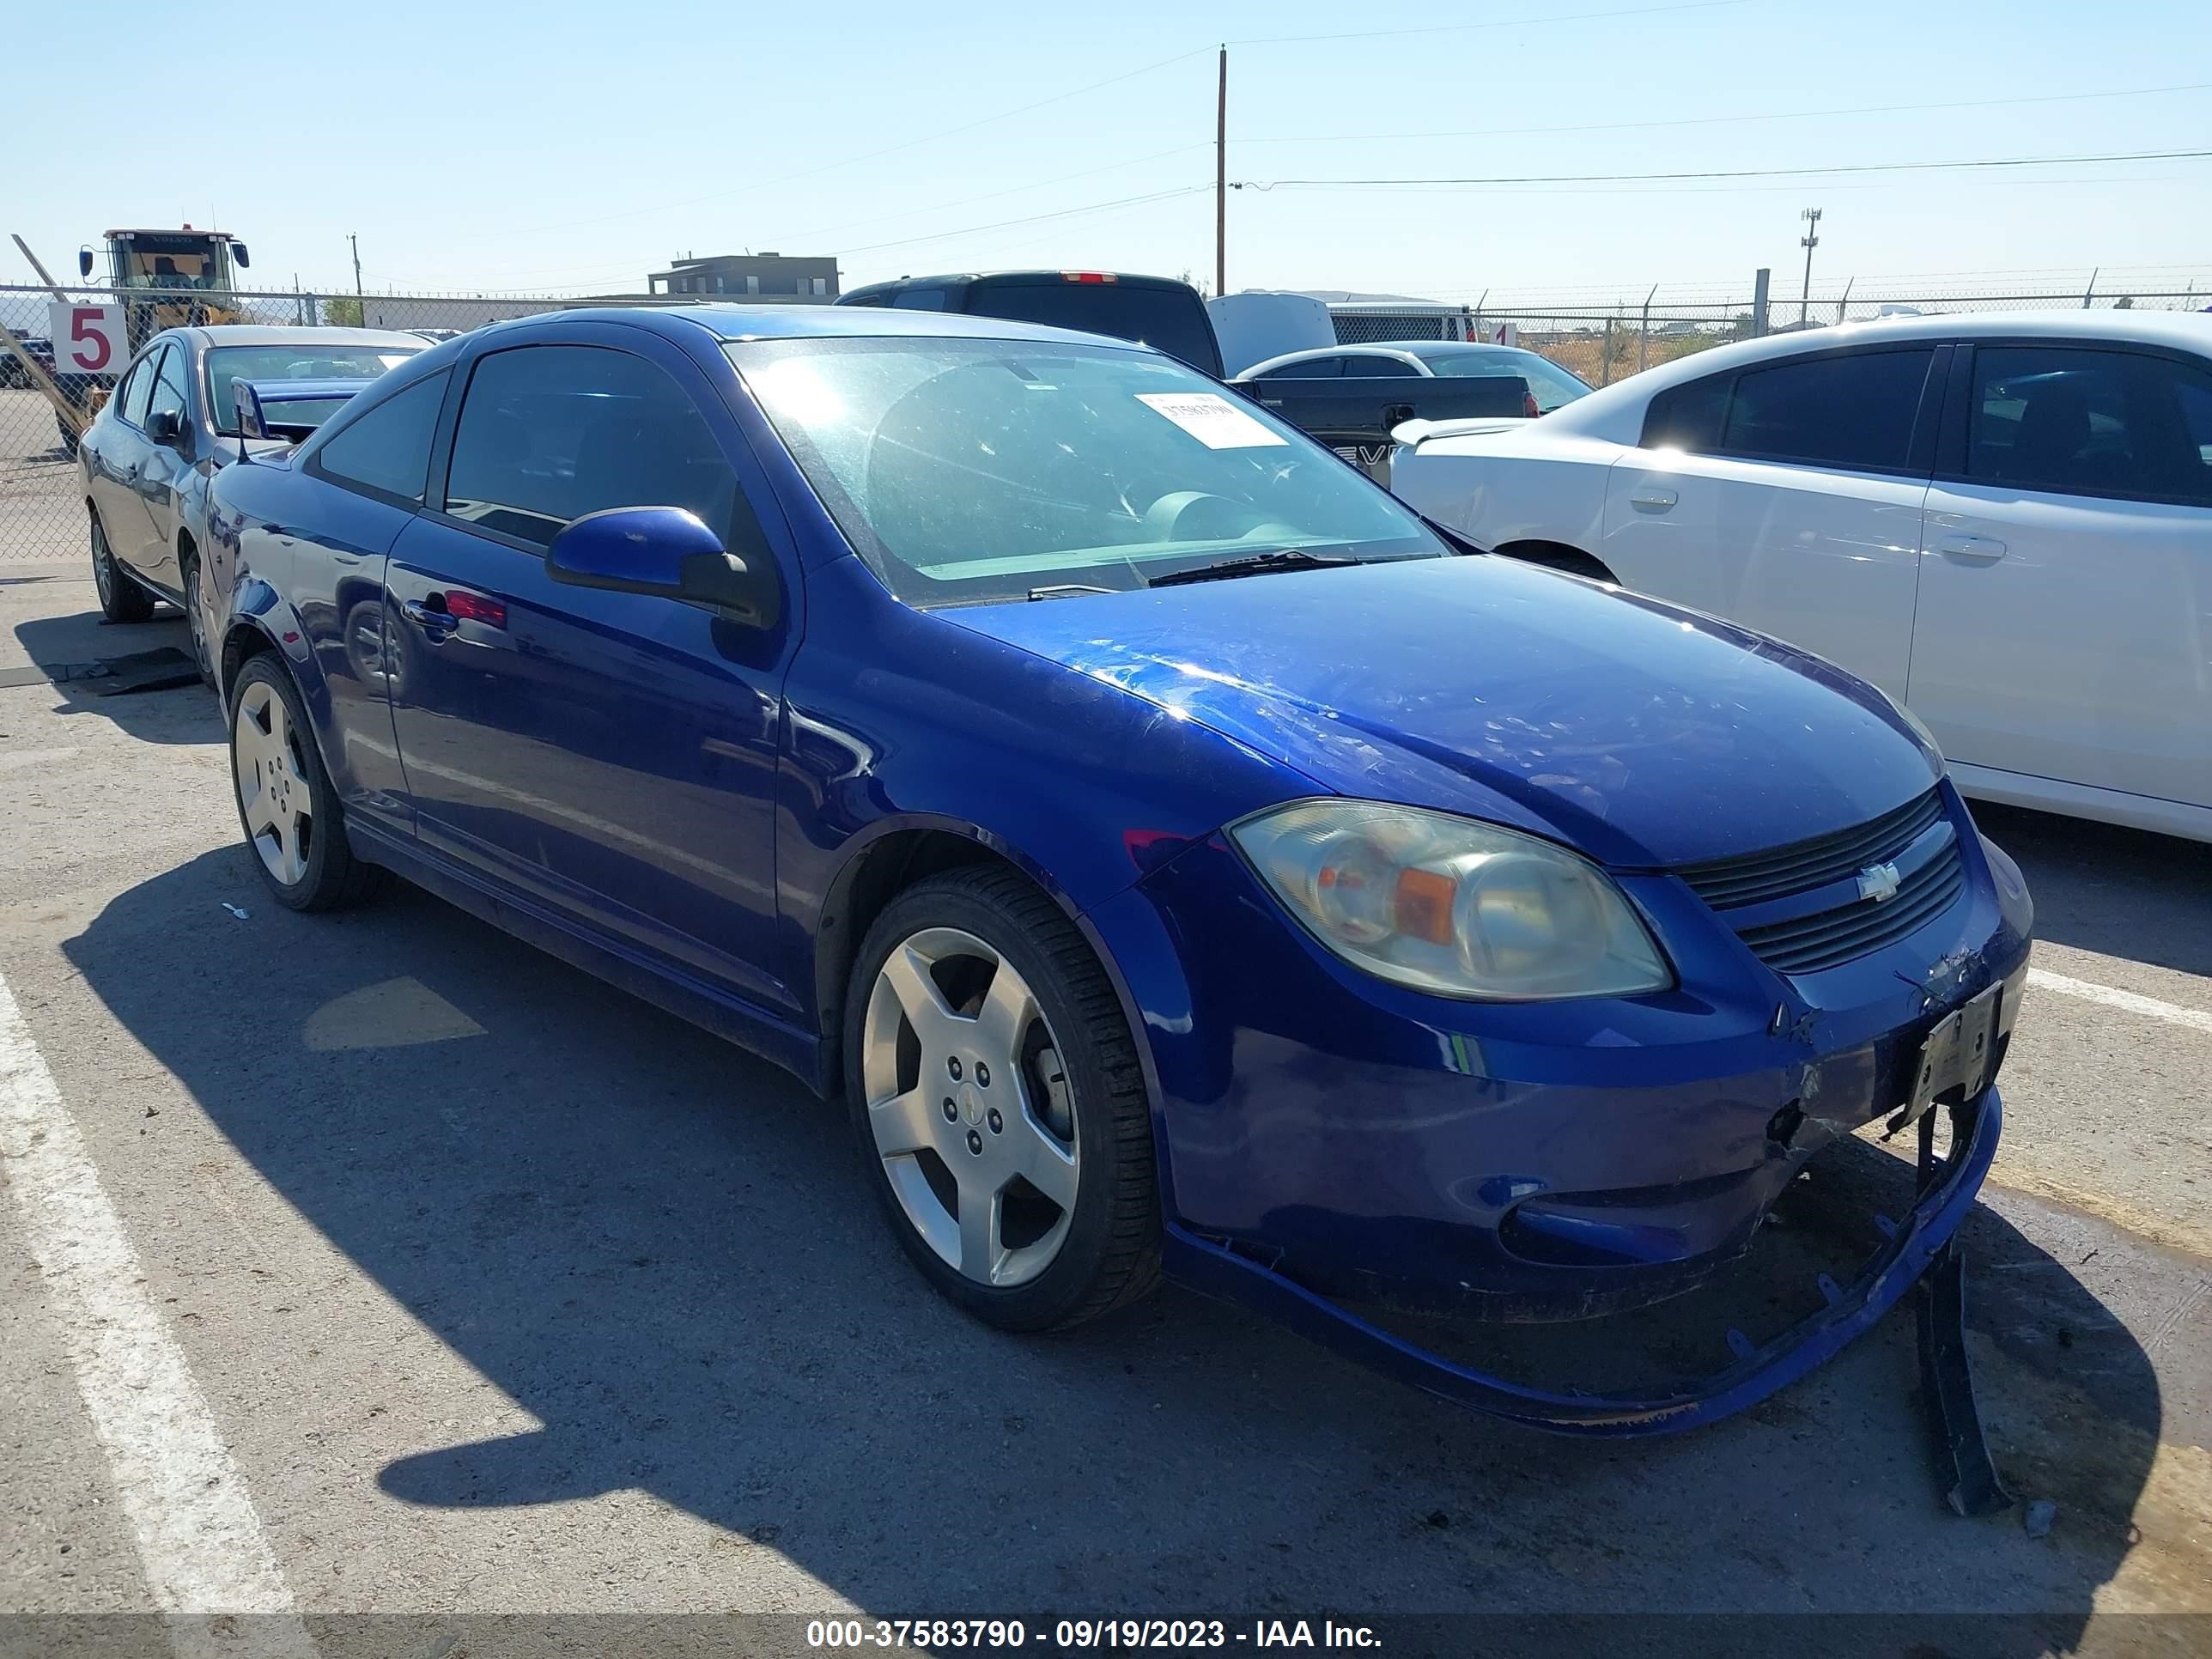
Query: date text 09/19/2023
pixel 989 1635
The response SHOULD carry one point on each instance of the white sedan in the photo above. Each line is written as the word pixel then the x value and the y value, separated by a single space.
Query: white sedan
pixel 2004 521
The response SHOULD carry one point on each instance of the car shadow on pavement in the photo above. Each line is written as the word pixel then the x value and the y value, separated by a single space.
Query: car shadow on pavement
pixel 662 1249
pixel 63 647
pixel 2101 887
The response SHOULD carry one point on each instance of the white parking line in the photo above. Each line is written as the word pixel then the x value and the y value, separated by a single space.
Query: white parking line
pixel 2196 1019
pixel 198 1537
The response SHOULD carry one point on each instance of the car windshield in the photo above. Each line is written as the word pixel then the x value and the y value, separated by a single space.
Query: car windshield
pixel 974 472
pixel 1551 386
pixel 306 362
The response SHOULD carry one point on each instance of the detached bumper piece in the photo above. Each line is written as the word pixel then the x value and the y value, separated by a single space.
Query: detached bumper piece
pixel 1963 1464
pixel 1910 1249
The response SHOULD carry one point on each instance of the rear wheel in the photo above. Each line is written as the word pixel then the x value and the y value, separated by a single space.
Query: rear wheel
pixel 995 1093
pixel 196 619
pixel 286 803
pixel 121 599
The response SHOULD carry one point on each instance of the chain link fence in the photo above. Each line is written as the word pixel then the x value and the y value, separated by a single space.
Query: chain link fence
pixel 1603 342
pixel 42 511
pixel 43 405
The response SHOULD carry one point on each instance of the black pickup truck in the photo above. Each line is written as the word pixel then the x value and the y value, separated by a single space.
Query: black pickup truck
pixel 1353 414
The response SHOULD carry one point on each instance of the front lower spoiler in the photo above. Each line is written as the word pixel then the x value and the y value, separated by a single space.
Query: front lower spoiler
pixel 1923 1239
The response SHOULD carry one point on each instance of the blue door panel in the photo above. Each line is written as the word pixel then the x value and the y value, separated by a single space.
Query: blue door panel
pixel 323 591
pixel 611 755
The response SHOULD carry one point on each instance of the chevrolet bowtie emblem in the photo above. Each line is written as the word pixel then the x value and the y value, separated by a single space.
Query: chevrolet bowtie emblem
pixel 1879 882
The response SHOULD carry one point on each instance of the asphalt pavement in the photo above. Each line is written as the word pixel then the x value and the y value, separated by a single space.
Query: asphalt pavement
pixel 378 1264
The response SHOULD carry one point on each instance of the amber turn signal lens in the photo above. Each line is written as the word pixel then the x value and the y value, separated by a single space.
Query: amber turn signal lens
pixel 1425 905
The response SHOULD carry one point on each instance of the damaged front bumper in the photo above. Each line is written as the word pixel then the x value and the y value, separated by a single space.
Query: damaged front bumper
pixel 1919 1241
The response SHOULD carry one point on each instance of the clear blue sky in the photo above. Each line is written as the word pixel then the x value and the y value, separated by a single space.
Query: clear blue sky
pixel 575 146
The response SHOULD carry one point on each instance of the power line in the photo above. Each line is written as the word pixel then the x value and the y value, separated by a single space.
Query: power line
pixel 1724 172
pixel 1493 23
pixel 1723 121
pixel 1096 86
pixel 991 196
pixel 1033 219
pixel 873 154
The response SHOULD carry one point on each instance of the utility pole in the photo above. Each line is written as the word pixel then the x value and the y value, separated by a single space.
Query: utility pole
pixel 1221 179
pixel 1811 240
pixel 353 242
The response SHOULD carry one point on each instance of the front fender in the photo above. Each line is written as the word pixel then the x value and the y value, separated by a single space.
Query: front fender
pixel 259 618
pixel 1078 783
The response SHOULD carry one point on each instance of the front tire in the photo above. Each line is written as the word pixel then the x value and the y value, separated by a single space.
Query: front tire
pixel 286 803
pixel 995 1093
pixel 121 599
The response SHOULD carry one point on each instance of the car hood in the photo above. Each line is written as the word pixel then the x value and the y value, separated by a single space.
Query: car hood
pixel 1644 734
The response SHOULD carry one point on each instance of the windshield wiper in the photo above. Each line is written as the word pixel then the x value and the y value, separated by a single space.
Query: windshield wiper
pixel 1252 564
pixel 1061 590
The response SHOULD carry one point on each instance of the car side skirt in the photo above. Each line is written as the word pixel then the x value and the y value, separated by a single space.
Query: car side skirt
pixel 796 1050
pixel 2082 800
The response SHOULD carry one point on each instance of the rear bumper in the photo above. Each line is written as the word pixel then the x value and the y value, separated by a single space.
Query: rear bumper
pixel 1912 1244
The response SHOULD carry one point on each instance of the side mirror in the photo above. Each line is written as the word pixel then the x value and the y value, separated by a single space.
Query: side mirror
pixel 252 423
pixel 164 426
pixel 84 262
pixel 666 552
pixel 238 253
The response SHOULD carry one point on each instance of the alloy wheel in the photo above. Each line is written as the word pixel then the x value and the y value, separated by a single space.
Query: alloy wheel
pixel 196 620
pixel 272 783
pixel 103 564
pixel 970 1107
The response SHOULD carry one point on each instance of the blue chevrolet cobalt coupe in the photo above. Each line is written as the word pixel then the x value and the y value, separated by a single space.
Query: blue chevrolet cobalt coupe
pixel 1177 854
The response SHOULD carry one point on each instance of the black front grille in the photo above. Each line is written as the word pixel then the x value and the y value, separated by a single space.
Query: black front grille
pixel 1827 937
pixel 1758 876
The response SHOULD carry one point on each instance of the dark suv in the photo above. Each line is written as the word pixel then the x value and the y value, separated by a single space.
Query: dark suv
pixel 1157 310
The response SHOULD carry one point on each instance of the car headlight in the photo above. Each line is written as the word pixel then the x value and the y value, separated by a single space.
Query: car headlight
pixel 1449 905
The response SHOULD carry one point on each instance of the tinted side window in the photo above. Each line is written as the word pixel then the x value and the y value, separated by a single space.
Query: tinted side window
pixel 1381 369
pixel 168 396
pixel 135 394
pixel 547 434
pixel 918 298
pixel 1688 416
pixel 1312 369
pixel 1172 318
pixel 387 448
pixel 2090 422
pixel 1849 411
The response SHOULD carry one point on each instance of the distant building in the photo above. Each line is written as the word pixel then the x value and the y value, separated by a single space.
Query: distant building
pixel 796 279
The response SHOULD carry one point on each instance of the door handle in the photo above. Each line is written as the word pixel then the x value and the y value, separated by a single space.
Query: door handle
pixel 1653 498
pixel 430 614
pixel 1971 546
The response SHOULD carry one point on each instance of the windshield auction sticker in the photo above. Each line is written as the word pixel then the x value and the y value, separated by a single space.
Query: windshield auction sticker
pixel 1212 419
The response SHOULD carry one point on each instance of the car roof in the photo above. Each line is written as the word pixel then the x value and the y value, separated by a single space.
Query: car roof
pixel 1134 278
pixel 254 334
pixel 1601 412
pixel 730 323
pixel 1455 348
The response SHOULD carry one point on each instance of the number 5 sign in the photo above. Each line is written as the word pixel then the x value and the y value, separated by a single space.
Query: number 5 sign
pixel 87 339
